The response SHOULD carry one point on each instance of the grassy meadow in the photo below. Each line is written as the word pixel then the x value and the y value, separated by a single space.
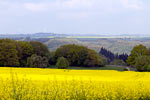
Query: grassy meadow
pixel 59 84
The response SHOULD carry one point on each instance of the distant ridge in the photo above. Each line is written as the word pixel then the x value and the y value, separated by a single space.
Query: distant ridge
pixel 60 35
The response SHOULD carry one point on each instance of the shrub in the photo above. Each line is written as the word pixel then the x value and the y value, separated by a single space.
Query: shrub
pixel 37 61
pixel 62 63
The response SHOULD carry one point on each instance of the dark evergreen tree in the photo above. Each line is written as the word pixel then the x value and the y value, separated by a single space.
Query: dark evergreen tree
pixel 111 56
pixel 123 57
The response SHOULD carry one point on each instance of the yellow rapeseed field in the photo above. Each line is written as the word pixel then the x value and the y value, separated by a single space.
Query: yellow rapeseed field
pixel 59 84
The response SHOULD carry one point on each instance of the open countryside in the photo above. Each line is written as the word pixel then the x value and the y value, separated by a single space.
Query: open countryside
pixel 74 50
pixel 30 71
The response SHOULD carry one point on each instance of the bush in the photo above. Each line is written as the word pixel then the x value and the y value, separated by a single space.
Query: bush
pixel 62 63
pixel 37 61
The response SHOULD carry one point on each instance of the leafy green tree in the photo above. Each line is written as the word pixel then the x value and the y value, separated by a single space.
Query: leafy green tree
pixel 40 49
pixel 36 61
pixel 75 54
pixel 8 53
pixel 137 51
pixel 143 63
pixel 25 50
pixel 93 59
pixel 62 63
pixel 79 55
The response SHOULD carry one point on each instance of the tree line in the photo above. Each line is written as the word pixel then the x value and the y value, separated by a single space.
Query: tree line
pixel 35 54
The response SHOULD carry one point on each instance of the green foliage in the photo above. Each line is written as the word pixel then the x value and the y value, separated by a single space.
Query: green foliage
pixel 8 53
pixel 37 61
pixel 75 54
pixel 52 60
pixel 25 50
pixel 79 55
pixel 137 51
pixel 148 51
pixel 105 59
pixel 62 63
pixel 148 68
pixel 93 59
pixel 131 60
pixel 143 63
pixel 118 62
pixel 16 53
pixel 41 57
pixel 40 49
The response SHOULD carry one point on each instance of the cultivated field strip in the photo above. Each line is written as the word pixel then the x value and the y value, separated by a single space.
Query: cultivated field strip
pixel 57 84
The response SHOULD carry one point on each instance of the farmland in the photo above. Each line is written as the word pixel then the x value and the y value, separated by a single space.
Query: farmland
pixel 60 84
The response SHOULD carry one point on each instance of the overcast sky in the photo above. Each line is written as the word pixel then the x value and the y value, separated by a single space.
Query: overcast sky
pixel 75 16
